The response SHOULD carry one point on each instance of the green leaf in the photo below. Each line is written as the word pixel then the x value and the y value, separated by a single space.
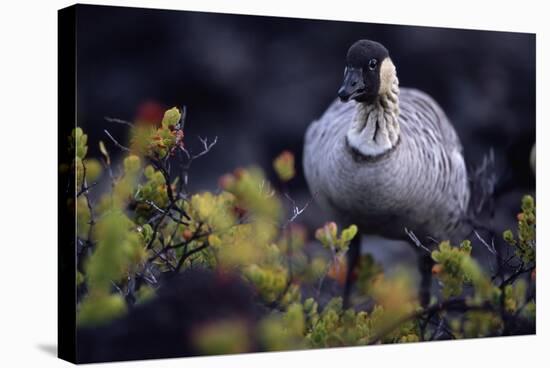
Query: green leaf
pixel 228 336
pixel 284 166
pixel 93 169
pixel 99 309
pixel 349 233
pixel 144 294
pixel 132 164
pixel 104 152
pixel 171 118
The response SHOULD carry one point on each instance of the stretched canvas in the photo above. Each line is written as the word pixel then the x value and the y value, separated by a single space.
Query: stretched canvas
pixel 236 184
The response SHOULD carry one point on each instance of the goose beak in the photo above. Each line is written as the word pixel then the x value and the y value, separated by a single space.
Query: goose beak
pixel 353 85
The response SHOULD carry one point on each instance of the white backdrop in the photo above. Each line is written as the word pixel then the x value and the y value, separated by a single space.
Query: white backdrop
pixel 28 179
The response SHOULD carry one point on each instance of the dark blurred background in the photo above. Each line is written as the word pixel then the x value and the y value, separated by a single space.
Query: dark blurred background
pixel 258 82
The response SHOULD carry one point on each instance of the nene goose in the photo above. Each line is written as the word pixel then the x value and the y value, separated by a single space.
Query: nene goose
pixel 387 159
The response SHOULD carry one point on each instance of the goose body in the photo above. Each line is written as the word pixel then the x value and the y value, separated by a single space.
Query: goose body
pixel 387 161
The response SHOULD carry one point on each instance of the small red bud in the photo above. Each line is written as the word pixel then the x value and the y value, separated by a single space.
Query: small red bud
pixel 239 173
pixel 226 181
pixel 437 269
pixel 187 234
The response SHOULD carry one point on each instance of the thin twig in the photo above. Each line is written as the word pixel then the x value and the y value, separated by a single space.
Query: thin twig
pixel 439 330
pixel 516 274
pixel 160 166
pixel 160 210
pixel 157 226
pixel 296 211
pixel 185 167
pixel 118 121
pixel 416 241
pixel 165 249
pixel 490 247
pixel 124 148
pixel 86 188
pixel 190 253
pixel 161 256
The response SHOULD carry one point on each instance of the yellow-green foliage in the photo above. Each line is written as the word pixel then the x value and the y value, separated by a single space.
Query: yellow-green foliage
pixel 335 326
pixel 524 242
pixel 100 308
pixel 455 268
pixel 307 327
pixel 214 212
pixel 253 193
pixel 284 166
pixel 82 217
pixel 90 168
pixel 328 236
pixel 152 191
pixel 144 294
pixel 156 142
pixel 275 335
pixel 147 221
pixel 369 273
pixel 528 311
pixel 78 143
pixel 119 250
pixel 270 281
pixel 481 323
pixel 228 336
pixel 270 273
pixel 514 296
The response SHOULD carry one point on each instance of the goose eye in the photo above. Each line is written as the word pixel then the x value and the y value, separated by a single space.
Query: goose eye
pixel 372 64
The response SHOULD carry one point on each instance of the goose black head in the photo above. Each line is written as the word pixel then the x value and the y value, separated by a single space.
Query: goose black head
pixel 362 76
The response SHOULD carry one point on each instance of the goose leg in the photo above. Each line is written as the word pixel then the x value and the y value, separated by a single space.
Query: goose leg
pixel 353 258
pixel 425 264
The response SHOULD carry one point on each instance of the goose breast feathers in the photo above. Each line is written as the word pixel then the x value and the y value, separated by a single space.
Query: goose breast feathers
pixel 420 183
